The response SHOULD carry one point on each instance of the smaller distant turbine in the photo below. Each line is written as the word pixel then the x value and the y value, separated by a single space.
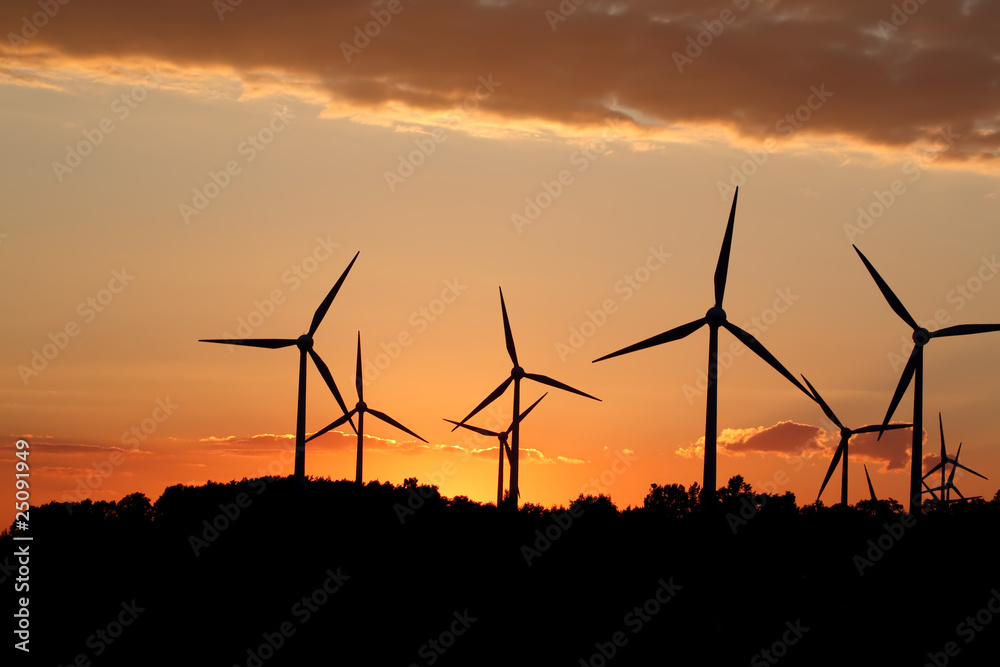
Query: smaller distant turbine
pixel 360 409
pixel 504 447
pixel 947 485
pixel 845 438
pixel 871 489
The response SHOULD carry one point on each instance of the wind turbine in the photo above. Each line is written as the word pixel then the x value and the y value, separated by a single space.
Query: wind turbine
pixel 915 367
pixel 948 485
pixel 714 318
pixel 502 436
pixel 871 489
pixel 360 409
pixel 845 438
pixel 305 345
pixel 517 373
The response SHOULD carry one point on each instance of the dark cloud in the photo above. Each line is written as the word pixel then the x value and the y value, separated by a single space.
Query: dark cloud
pixel 894 84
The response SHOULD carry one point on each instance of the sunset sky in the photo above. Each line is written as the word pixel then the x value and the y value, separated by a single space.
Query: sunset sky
pixel 204 169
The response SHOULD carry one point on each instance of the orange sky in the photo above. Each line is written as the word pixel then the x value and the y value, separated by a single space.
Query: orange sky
pixel 188 172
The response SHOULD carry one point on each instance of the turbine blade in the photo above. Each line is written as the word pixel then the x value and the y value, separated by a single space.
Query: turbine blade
pixel 481 431
pixel 558 385
pixel 667 336
pixel 325 306
pixel 506 331
pixel 932 470
pixel 965 329
pixel 944 450
pixel 931 491
pixel 359 380
pixel 270 343
pixel 871 489
pixel 880 427
pixel 389 420
pixel 510 454
pixel 751 342
pixel 833 465
pixel 956 463
pixel 722 268
pixel 904 382
pixel 525 413
pixel 955 489
pixel 887 292
pixel 328 378
pixel 489 399
pixel 826 408
pixel 332 425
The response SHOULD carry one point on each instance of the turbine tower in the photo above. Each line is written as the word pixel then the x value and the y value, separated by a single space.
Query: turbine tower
pixel 845 437
pixel 517 373
pixel 360 409
pixel 305 345
pixel 504 446
pixel 715 318
pixel 914 370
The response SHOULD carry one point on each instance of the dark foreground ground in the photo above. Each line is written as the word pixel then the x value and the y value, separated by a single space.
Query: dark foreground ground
pixel 254 574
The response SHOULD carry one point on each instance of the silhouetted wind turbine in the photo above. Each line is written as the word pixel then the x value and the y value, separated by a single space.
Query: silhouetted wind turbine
pixel 948 485
pixel 360 409
pixel 305 345
pixel 502 436
pixel 915 367
pixel 517 373
pixel 845 437
pixel 714 318
pixel 871 489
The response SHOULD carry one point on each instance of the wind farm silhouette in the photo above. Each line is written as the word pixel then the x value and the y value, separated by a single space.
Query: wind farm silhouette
pixel 946 485
pixel 517 373
pixel 715 318
pixel 504 446
pixel 845 437
pixel 305 345
pixel 360 409
pixel 914 370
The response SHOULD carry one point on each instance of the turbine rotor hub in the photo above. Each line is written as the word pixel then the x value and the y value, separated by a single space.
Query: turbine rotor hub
pixel 715 316
pixel 304 342
pixel 362 406
pixel 845 432
pixel 921 337
pixel 517 372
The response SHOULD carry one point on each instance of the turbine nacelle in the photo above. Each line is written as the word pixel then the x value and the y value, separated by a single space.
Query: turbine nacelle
pixel 921 337
pixel 715 316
